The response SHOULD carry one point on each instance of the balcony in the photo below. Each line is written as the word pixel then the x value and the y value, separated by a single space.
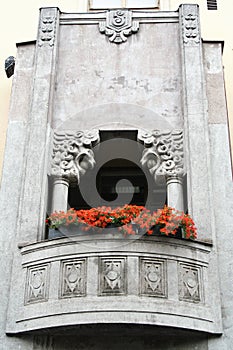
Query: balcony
pixel 110 279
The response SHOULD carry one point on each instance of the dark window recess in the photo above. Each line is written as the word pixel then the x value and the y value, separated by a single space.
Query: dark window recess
pixel 106 183
pixel 109 180
pixel 212 5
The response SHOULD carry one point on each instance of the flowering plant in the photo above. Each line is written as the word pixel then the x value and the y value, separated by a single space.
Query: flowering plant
pixel 127 219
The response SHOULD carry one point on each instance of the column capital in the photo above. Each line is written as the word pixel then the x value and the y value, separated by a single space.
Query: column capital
pixel 72 153
pixel 163 154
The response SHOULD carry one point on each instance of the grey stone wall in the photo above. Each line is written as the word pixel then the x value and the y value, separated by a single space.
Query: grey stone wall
pixel 125 86
pixel 74 77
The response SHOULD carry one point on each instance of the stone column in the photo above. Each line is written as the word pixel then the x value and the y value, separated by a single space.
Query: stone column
pixel 60 194
pixel 164 157
pixel 72 156
pixel 175 192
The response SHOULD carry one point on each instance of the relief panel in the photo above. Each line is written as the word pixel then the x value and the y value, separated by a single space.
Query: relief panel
pixel 73 278
pixel 190 25
pixel 47 31
pixel 37 283
pixel 153 277
pixel 112 276
pixel 118 25
pixel 190 283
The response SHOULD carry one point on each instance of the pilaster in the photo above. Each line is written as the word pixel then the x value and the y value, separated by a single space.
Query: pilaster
pixel 33 196
pixel 195 123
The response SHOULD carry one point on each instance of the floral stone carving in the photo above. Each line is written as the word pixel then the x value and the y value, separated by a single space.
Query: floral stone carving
pixel 72 154
pixel 164 155
pixel 118 25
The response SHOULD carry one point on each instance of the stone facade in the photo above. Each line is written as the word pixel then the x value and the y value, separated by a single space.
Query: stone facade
pixel 117 70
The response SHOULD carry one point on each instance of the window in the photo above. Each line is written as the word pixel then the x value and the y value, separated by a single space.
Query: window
pixel 212 4
pixel 103 4
pixel 110 180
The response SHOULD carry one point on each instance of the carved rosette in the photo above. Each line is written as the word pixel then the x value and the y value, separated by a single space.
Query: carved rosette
pixel 47 31
pixel 37 284
pixel 118 25
pixel 190 25
pixel 189 283
pixel 72 155
pixel 163 154
pixel 112 279
pixel 153 278
pixel 73 281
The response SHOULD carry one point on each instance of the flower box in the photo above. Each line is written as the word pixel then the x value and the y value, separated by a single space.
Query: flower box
pixel 128 220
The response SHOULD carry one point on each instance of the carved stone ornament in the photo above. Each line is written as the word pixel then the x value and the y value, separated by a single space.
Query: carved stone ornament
pixel 190 26
pixel 73 282
pixel 189 283
pixel 112 276
pixel 118 25
pixel 164 155
pixel 37 284
pixel 152 277
pixel 47 31
pixel 72 154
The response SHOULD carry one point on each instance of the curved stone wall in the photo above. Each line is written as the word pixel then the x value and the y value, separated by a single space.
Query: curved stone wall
pixel 88 279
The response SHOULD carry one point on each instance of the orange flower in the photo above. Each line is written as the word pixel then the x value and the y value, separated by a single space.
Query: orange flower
pixel 167 219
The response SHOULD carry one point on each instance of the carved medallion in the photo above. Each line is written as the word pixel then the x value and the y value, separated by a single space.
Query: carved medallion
pixel 112 279
pixel 189 283
pixel 163 154
pixel 72 154
pixel 47 31
pixel 37 284
pixel 118 25
pixel 153 277
pixel 73 280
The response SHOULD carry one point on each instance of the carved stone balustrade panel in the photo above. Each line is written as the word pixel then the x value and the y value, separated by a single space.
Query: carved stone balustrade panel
pixel 112 276
pixel 73 278
pixel 36 288
pixel 153 278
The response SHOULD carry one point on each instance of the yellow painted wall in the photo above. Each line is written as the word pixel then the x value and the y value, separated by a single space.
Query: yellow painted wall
pixel 19 23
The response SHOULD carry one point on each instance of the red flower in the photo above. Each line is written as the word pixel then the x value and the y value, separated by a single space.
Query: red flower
pixel 168 219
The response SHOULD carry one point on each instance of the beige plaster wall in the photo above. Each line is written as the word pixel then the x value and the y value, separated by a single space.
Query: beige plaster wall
pixel 20 24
